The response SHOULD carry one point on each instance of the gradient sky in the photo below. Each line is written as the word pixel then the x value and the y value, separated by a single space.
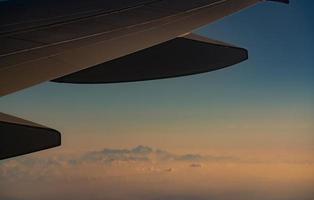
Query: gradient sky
pixel 261 111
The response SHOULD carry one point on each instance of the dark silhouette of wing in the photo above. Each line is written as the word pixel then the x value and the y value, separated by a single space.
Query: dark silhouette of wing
pixel 19 137
pixel 181 56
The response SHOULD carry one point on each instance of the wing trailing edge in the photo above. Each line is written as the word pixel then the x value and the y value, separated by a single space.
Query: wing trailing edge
pixel 191 54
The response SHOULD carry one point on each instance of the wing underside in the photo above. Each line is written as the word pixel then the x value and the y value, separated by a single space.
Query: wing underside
pixel 191 54
pixel 19 137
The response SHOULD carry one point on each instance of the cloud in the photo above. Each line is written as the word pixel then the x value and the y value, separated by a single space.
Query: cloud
pixel 101 172
pixel 147 154
pixel 140 158
pixel 107 156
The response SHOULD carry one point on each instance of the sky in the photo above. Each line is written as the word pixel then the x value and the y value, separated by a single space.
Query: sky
pixel 249 128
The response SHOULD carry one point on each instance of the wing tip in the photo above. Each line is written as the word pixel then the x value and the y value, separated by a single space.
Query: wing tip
pixel 19 137
pixel 281 1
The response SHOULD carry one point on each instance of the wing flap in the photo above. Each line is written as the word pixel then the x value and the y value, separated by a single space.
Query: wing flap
pixel 181 56
pixel 19 137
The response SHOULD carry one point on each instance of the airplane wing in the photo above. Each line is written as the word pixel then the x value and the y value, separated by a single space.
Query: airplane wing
pixel 106 41
pixel 18 137
pixel 190 54
pixel 54 43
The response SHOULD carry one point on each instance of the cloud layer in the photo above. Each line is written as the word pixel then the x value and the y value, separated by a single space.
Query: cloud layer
pixel 147 154
pixel 147 173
